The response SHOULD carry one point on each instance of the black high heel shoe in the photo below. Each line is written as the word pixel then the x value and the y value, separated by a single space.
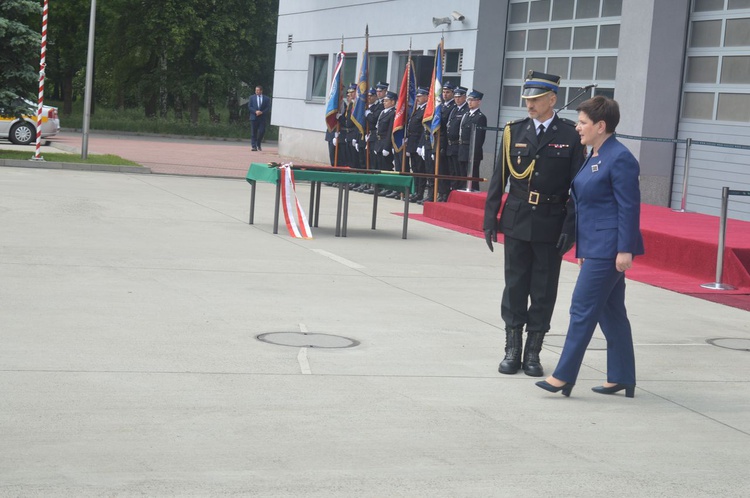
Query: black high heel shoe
pixel 629 389
pixel 565 388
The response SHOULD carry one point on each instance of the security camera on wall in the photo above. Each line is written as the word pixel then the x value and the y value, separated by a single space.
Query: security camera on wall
pixel 458 16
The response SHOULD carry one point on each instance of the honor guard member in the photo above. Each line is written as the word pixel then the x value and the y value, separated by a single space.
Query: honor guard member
pixel 540 155
pixel 472 119
pixel 453 132
pixel 444 186
pixel 372 119
pixel 384 128
pixel 367 148
pixel 415 142
pixel 352 133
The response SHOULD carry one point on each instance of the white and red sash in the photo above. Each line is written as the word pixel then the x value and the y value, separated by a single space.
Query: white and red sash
pixel 296 221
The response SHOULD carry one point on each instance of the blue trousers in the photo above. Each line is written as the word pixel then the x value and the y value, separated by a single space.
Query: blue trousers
pixel 599 297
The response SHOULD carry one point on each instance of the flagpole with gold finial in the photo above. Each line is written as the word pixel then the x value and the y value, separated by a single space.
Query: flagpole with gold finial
pixel 338 108
pixel 406 119
pixel 437 141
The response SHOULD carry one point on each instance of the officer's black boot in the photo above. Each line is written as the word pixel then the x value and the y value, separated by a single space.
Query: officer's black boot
pixel 531 365
pixel 513 346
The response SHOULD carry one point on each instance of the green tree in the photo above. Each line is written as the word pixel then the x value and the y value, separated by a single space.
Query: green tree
pixel 67 37
pixel 19 53
pixel 187 54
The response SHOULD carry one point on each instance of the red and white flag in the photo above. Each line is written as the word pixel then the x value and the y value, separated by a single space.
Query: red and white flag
pixel 296 221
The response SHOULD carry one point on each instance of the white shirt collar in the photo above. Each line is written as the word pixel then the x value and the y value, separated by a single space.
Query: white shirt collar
pixel 545 123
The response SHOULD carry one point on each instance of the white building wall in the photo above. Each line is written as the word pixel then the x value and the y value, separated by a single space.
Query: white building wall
pixel 317 27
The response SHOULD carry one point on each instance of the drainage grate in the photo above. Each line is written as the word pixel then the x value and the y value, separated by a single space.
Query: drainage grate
pixel 730 343
pixel 558 340
pixel 307 340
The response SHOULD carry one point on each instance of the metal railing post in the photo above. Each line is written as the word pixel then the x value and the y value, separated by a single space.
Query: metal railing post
pixel 717 285
pixel 683 202
pixel 470 166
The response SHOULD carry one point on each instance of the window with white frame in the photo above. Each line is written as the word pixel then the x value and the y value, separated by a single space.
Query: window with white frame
pixel 317 74
pixel 377 69
pixel 717 70
pixel 577 40
pixel 454 60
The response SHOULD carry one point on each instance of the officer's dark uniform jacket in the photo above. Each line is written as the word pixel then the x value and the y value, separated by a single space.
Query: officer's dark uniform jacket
pixel 372 119
pixel 415 130
pixel 445 111
pixel 536 206
pixel 385 131
pixel 453 128
pixel 480 120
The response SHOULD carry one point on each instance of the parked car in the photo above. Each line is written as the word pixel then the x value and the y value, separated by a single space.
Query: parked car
pixel 22 131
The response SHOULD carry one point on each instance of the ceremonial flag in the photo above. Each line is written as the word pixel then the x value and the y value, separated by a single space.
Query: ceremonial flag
pixel 334 94
pixel 431 118
pixel 360 103
pixel 406 95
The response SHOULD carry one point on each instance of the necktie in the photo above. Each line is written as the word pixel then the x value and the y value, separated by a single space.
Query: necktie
pixel 260 101
pixel 541 130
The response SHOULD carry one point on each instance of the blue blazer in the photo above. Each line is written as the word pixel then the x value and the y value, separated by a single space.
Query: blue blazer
pixel 608 203
pixel 264 107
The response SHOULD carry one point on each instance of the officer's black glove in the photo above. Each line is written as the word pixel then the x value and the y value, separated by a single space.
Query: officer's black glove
pixel 565 243
pixel 490 236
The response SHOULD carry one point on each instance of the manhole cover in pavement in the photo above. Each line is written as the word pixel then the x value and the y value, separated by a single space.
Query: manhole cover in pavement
pixel 307 340
pixel 558 340
pixel 730 343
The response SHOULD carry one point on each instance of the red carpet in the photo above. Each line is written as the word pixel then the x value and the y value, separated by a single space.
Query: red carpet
pixel 680 247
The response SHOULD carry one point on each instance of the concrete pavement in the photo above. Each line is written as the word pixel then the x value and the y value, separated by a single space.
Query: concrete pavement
pixel 130 364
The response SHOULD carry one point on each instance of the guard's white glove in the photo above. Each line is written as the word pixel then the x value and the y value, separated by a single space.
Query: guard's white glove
pixel 334 141
pixel 432 156
pixel 386 153
pixel 336 134
pixel 367 137
pixel 408 154
pixel 420 151
pixel 368 112
pixel 356 145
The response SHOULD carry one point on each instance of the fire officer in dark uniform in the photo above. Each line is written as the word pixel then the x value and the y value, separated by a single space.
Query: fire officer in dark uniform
pixel 384 129
pixel 539 157
pixel 415 140
pixel 453 132
pixel 371 117
pixel 471 119
pixel 444 186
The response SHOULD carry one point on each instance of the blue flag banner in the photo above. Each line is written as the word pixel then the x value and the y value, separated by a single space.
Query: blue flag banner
pixel 360 103
pixel 334 94
pixel 431 118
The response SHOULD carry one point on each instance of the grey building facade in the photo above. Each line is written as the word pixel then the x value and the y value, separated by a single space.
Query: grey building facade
pixel 678 68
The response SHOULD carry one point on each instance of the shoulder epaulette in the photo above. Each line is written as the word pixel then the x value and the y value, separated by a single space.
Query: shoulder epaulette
pixel 568 121
pixel 520 120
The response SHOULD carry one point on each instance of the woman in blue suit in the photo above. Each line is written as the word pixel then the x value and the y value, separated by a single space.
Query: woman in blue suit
pixel 608 236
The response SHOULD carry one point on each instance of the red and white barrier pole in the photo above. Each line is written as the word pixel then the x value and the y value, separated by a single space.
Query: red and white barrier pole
pixel 42 65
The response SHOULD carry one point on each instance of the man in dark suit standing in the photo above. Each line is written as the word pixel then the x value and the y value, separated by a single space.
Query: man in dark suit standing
pixel 539 156
pixel 473 118
pixel 259 106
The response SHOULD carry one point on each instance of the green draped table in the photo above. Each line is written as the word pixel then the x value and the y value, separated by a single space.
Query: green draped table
pixel 260 172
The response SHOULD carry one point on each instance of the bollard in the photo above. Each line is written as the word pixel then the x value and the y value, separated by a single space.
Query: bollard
pixel 718 285
pixel 471 156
